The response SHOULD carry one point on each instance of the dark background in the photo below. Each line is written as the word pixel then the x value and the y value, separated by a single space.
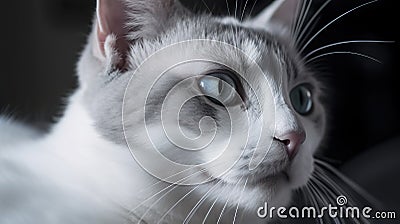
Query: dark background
pixel 40 43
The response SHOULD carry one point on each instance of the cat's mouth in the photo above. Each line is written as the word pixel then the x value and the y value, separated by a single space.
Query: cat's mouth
pixel 273 170
pixel 275 167
pixel 259 180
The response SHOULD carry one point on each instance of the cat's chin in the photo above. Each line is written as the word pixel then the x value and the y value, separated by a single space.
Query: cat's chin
pixel 272 190
pixel 253 193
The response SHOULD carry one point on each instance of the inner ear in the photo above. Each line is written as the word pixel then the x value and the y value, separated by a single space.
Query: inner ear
pixel 122 22
pixel 282 12
pixel 112 20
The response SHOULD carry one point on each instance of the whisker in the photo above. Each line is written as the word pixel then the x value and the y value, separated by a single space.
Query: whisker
pixel 236 8
pixel 227 200
pixel 325 179
pixel 244 10
pixel 313 200
pixel 353 199
pixel 198 204
pixel 176 185
pixel 162 181
pixel 203 198
pixel 345 42
pixel 330 23
pixel 343 52
pixel 179 201
pixel 333 196
pixel 240 197
pixel 318 197
pixel 299 17
pixel 169 191
pixel 215 201
pixel 325 190
pixel 302 21
pixel 305 14
pixel 326 182
pixel 316 14
pixel 319 193
pixel 205 4
pixel 252 7
pixel 227 7
pixel 332 193
pixel 126 210
pixel 334 188
pixel 349 182
pixel 212 205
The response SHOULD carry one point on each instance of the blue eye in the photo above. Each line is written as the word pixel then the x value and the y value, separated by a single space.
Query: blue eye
pixel 301 98
pixel 220 88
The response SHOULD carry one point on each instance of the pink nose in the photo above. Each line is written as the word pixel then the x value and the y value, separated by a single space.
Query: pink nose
pixel 292 141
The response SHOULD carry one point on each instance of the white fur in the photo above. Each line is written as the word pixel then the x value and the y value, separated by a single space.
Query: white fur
pixel 14 132
pixel 76 175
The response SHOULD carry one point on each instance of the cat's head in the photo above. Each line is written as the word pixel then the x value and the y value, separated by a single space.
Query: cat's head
pixel 216 99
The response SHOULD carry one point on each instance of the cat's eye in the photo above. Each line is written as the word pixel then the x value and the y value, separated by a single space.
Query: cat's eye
pixel 220 88
pixel 301 98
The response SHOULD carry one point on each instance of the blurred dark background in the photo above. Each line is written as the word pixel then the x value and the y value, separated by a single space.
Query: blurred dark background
pixel 40 43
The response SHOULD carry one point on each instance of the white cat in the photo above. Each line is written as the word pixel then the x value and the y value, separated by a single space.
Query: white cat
pixel 229 105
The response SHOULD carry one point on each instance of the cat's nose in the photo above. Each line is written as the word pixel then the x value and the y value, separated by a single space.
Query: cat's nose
pixel 292 141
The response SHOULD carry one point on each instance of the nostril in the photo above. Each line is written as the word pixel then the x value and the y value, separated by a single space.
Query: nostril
pixel 286 142
pixel 292 141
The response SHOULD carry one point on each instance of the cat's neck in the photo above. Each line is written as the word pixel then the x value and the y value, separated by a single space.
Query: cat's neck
pixel 76 126
pixel 75 139
pixel 114 174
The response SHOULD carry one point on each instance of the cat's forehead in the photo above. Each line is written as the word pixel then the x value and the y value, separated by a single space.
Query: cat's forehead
pixel 250 45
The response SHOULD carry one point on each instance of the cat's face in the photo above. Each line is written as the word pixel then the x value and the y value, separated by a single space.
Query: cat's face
pixel 211 98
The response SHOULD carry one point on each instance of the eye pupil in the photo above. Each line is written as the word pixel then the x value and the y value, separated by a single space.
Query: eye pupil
pixel 220 86
pixel 301 98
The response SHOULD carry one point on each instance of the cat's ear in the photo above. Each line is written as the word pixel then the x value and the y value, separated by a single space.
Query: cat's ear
pixel 280 12
pixel 111 19
pixel 126 21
